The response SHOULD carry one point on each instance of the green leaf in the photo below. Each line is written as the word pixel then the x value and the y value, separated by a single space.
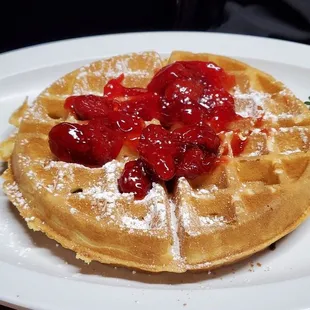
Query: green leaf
pixel 307 102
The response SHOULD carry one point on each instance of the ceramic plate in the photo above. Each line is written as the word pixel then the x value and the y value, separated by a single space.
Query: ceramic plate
pixel 35 272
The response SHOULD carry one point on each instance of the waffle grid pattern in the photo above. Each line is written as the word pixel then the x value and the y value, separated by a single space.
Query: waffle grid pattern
pixel 216 219
pixel 276 155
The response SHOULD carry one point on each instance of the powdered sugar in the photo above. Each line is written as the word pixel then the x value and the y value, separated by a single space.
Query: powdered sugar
pixel 185 212
pixel 288 152
pixel 30 219
pixel 31 175
pixel 156 217
pixel 135 223
pixel 122 66
pixel 251 104
pixel 73 210
pixel 81 74
pixel 212 220
pixel 271 117
pixel 37 113
pixel 259 149
pixel 14 193
pixel 286 93
pixel 211 189
pixel 301 131
pixel 106 70
pixel 235 197
pixel 271 143
pixel 286 129
pixel 185 217
pixel 24 142
pixel 207 192
pixel 284 116
pixel 104 195
pixel 303 135
pixel 175 249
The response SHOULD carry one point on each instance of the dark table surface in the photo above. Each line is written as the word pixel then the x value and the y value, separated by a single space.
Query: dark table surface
pixel 32 22
pixel 25 23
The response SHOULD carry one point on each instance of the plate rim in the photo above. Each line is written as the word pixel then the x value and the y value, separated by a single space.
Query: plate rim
pixel 266 296
pixel 48 54
pixel 59 52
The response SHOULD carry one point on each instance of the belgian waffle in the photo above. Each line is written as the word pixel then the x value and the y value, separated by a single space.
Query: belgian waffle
pixel 244 205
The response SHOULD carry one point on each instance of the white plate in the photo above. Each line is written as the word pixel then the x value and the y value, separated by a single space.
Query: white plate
pixel 36 273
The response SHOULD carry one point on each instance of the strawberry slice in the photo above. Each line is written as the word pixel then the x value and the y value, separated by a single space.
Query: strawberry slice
pixel 202 136
pixel 210 73
pixel 134 179
pixel 86 107
pixel 194 163
pixel 129 126
pixel 167 75
pixel 146 105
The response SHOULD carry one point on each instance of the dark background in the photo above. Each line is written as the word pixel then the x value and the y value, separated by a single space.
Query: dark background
pixel 24 23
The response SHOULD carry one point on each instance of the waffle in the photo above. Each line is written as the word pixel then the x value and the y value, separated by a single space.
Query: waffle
pixel 248 202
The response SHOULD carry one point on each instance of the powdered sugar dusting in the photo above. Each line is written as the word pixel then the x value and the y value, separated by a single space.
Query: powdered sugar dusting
pixel 283 116
pixel 73 210
pixel 303 135
pixel 30 219
pixel 205 192
pixel 271 143
pixel 82 74
pixel 250 104
pixel 259 149
pixel 253 104
pixel 104 195
pixel 122 66
pixel 58 181
pixel 107 71
pixel 200 266
pixel 82 83
pixel 37 113
pixel 185 213
pixel 189 217
pixel 57 185
pixel 301 130
pixel 31 174
pixel 156 216
pixel 135 223
pixel 212 220
pixel 175 249
pixel 288 152
pixel 24 142
pixel 14 193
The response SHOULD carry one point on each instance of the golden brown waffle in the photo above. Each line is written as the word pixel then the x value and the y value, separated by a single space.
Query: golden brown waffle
pixel 246 204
